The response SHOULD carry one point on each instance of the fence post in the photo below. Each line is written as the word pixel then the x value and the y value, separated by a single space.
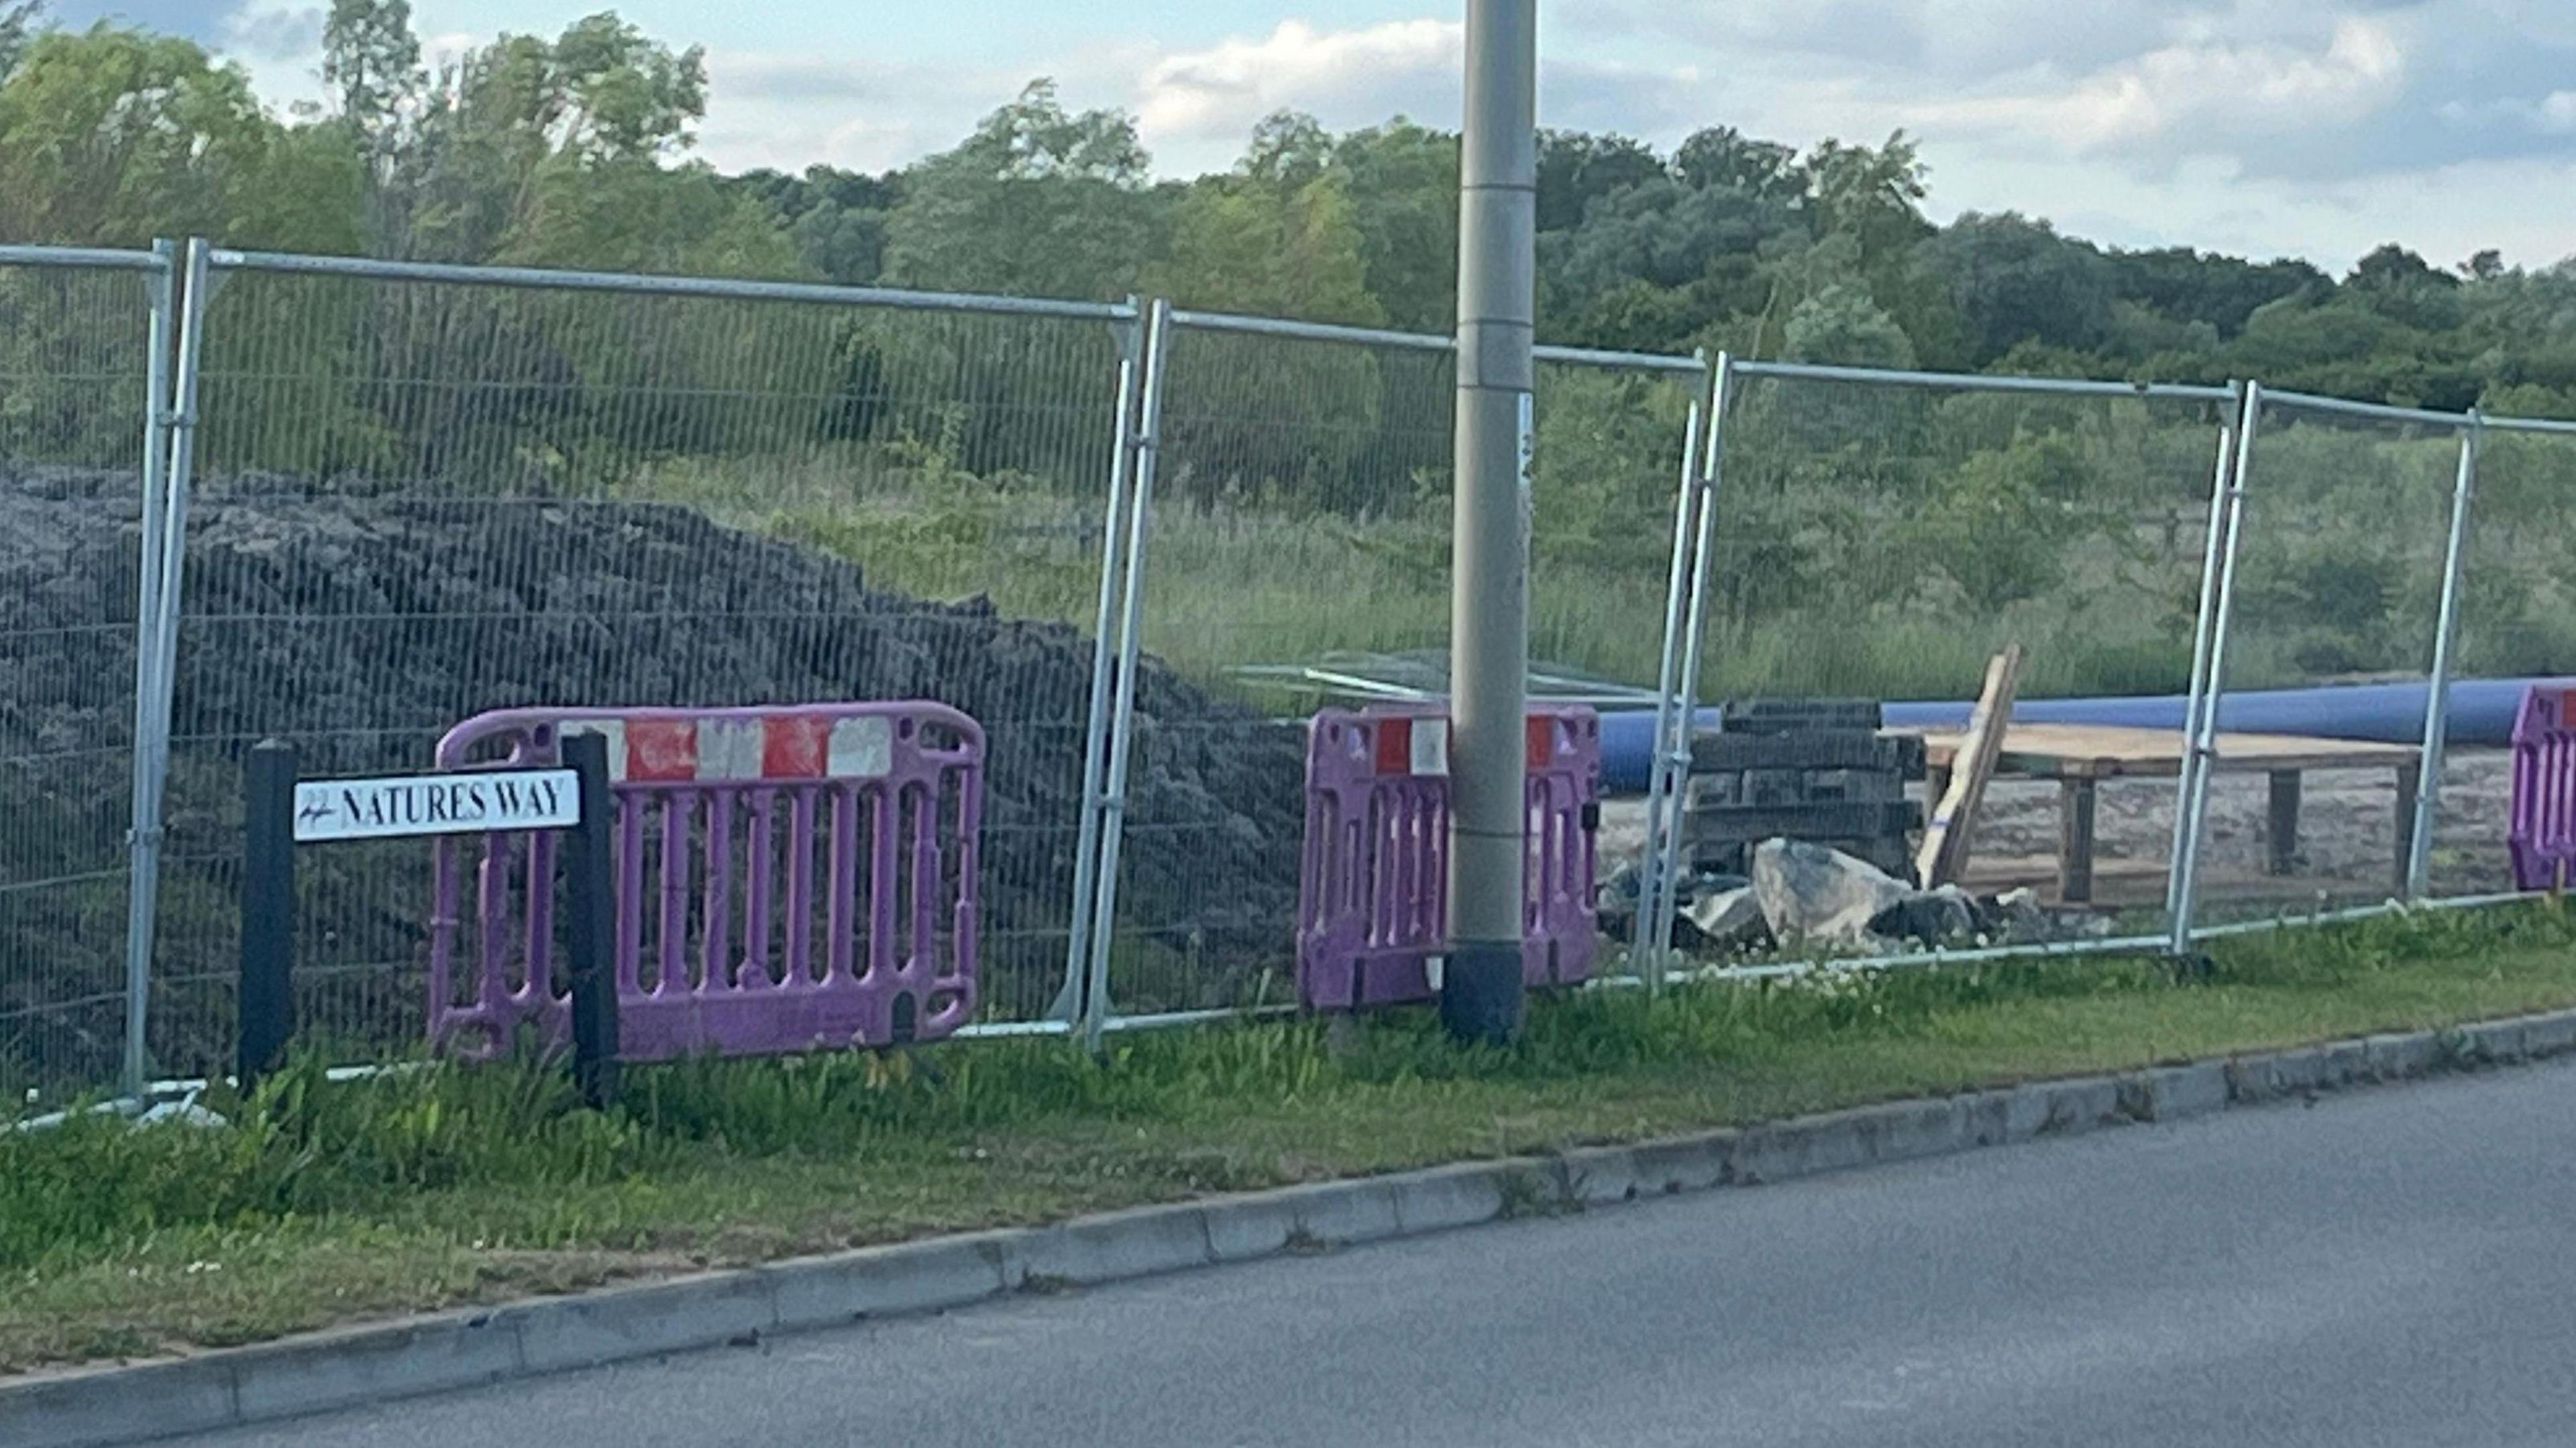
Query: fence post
pixel 1113 805
pixel 1676 759
pixel 2437 695
pixel 143 837
pixel 1073 1002
pixel 264 1008
pixel 2204 744
pixel 591 901
pixel 2211 550
pixel 1652 935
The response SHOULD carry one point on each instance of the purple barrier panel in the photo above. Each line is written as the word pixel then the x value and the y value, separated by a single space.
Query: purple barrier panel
pixel 1372 899
pixel 787 878
pixel 2542 835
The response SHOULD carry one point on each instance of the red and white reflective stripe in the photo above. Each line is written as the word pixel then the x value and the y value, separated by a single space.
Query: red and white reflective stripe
pixel 778 746
pixel 1413 746
pixel 1421 746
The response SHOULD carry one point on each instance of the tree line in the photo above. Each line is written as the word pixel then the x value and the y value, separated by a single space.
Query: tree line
pixel 575 151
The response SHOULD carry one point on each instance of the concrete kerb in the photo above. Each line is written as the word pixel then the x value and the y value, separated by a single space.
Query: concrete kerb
pixel 364 1365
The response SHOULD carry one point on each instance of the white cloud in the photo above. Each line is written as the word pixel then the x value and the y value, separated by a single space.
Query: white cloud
pixel 2220 95
pixel 275 34
pixel 1948 40
pixel 1343 75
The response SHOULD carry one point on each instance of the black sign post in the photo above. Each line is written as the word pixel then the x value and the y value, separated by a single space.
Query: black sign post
pixel 280 812
pixel 592 924
pixel 265 1004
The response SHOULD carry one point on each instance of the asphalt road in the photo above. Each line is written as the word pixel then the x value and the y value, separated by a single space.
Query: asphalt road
pixel 2393 1266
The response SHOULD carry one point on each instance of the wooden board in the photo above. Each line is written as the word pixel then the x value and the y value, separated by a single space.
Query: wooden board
pixel 2105 751
pixel 1944 853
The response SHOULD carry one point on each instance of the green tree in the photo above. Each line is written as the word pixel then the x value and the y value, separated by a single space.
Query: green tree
pixel 1577 168
pixel 1876 195
pixel 112 137
pixel 1037 202
pixel 1404 199
pixel 1289 148
pixel 2349 347
pixel 836 218
pixel 1841 324
pixel 2402 286
pixel 1663 233
pixel 2222 291
pixel 1248 244
pixel 2001 526
pixel 2013 280
pixel 1725 156
pixel 371 62
pixel 509 128
pixel 17 28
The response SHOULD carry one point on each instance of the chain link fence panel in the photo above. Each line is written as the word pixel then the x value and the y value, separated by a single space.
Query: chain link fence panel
pixel 75 368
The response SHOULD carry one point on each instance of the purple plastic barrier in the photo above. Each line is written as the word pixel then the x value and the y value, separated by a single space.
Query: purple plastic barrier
pixel 1373 889
pixel 788 878
pixel 2542 837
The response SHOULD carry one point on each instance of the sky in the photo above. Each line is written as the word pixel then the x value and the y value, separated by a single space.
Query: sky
pixel 2315 128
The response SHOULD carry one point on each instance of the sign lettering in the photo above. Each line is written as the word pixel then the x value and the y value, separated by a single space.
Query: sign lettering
pixel 436 804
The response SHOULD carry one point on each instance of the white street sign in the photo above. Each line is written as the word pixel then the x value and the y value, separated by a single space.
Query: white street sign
pixel 436 804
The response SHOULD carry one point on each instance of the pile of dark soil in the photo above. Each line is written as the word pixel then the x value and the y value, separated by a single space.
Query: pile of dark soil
pixel 363 628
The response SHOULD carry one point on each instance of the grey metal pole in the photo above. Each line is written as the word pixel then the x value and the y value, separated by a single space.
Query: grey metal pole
pixel 1481 990
pixel 2214 529
pixel 1649 937
pixel 2204 745
pixel 1076 993
pixel 1122 722
pixel 2437 697
pixel 143 841
pixel 1695 628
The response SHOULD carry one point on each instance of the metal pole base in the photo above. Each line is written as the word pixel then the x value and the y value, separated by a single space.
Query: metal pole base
pixel 1480 992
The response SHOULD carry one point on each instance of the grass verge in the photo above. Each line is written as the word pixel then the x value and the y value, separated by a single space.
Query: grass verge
pixel 442 1186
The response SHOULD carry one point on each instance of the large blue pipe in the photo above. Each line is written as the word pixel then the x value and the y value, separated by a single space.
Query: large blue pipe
pixel 2481 712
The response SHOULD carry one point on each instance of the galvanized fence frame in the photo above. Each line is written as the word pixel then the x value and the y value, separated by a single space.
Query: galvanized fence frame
pixel 1166 325
pixel 2473 427
pixel 2238 449
pixel 2205 750
pixel 1685 642
pixel 143 836
pixel 179 288
pixel 208 268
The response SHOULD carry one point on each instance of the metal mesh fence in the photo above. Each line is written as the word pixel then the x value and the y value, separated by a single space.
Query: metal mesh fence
pixel 1608 459
pixel 1300 518
pixel 422 493
pixel 75 348
pixel 1300 550
pixel 2516 618
pixel 1882 539
pixel 418 498
pixel 2338 580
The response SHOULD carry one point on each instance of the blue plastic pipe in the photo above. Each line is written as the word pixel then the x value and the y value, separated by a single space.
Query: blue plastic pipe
pixel 2481 712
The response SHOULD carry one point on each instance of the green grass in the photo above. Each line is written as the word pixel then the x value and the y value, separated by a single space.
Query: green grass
pixel 448 1185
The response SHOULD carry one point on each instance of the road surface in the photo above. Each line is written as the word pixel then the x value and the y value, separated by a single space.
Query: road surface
pixel 2387 1267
